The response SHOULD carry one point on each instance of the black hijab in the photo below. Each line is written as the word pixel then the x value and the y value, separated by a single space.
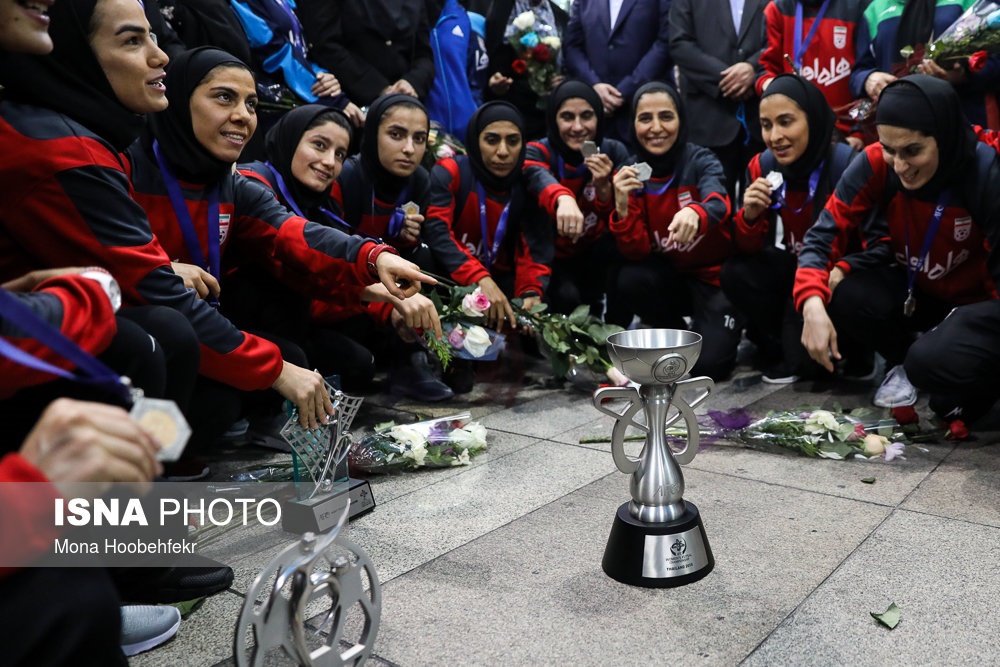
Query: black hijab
pixel 819 115
pixel 931 106
pixel 387 185
pixel 663 165
pixel 280 144
pixel 70 80
pixel 492 112
pixel 567 90
pixel 916 24
pixel 173 129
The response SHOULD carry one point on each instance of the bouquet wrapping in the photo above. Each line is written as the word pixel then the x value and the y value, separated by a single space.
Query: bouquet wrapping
pixel 462 311
pixel 436 443
pixel 973 37
pixel 537 46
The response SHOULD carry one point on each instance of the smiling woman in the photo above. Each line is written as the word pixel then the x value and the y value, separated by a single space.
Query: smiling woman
pixel 24 26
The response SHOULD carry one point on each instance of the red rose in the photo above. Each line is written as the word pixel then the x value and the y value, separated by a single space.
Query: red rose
pixel 542 53
pixel 519 66
pixel 977 61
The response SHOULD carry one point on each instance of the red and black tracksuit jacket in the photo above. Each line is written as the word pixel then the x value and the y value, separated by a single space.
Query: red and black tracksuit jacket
pixel 345 302
pixel 67 202
pixel 697 183
pixel 454 232
pixel 961 266
pixel 548 178
pixel 830 56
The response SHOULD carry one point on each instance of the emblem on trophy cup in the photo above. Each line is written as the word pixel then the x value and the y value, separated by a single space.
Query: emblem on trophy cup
pixel 657 539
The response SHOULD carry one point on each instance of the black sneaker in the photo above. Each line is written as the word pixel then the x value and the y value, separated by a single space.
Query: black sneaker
pixel 179 584
pixel 186 470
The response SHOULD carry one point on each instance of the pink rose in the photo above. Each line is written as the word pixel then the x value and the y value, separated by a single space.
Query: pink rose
pixel 456 337
pixel 475 304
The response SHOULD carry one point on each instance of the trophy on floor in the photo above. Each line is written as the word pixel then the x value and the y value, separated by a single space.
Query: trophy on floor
pixel 322 483
pixel 657 539
pixel 331 576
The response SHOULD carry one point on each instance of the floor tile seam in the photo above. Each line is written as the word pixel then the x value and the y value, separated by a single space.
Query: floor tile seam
pixel 968 522
pixel 808 596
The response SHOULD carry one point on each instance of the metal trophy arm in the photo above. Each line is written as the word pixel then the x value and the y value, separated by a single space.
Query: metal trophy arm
pixel 623 420
pixel 686 454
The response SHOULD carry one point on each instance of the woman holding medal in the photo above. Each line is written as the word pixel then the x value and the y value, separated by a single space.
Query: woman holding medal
pixel 671 223
pixel 928 193
pixel 569 173
pixel 476 224
pixel 791 180
pixel 209 216
pixel 305 151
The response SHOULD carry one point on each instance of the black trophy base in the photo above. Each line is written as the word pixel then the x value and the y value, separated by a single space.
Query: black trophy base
pixel 658 555
pixel 321 513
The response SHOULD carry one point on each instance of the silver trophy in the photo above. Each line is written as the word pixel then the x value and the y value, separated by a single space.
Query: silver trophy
pixel 657 539
pixel 330 571
pixel 320 455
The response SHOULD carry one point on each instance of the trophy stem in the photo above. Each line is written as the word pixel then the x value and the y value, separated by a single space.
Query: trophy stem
pixel 657 486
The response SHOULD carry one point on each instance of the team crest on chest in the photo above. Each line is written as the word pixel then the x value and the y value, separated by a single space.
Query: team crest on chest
pixel 223 226
pixel 962 228
pixel 589 192
pixel 840 36
pixel 684 198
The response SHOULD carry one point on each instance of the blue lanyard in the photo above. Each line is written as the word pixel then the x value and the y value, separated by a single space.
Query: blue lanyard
pixel 490 251
pixel 90 370
pixel 287 195
pixel 779 196
pixel 183 216
pixel 741 116
pixel 663 188
pixel 932 229
pixel 579 172
pixel 800 45
pixel 398 216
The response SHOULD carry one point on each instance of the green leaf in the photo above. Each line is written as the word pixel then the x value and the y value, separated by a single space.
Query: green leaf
pixel 538 308
pixel 890 617
pixel 551 337
pixel 189 606
pixel 600 332
pixel 580 314
pixel 868 480
pixel 841 449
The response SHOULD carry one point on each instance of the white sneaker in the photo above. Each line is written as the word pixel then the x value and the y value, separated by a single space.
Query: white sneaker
pixel 147 626
pixel 895 390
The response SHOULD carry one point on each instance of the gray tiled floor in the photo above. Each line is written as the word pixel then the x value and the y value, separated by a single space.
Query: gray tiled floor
pixel 499 562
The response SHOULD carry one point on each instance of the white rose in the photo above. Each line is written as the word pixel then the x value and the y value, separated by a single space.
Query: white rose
pixel 552 42
pixel 417 454
pixel 477 341
pixel 462 460
pixel 473 435
pixel 525 20
pixel 408 436
pixel 874 445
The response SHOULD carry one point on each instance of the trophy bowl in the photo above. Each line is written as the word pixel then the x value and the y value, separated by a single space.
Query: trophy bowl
pixel 654 356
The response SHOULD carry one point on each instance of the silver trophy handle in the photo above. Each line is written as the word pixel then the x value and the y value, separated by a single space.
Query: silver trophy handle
pixel 623 420
pixel 686 454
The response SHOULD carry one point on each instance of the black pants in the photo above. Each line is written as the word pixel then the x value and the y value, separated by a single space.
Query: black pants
pixel 583 278
pixel 760 287
pixel 959 362
pixel 734 158
pixel 661 297
pixel 60 616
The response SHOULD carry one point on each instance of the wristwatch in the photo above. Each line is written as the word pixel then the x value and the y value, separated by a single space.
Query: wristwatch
pixel 107 281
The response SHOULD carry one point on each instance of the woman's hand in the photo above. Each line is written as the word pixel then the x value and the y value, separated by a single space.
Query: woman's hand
pixel 875 82
pixel 500 84
pixel 857 143
pixel 500 309
pixel 625 181
pixel 955 75
pixel 29 281
pixel 326 85
pixel 198 279
pixel 836 275
pixel 418 312
pixel 684 227
pixel 569 218
pixel 307 390
pixel 756 199
pixel 411 228
pixel 355 114
pixel 819 336
pixel 402 86
pixel 401 277
pixel 600 167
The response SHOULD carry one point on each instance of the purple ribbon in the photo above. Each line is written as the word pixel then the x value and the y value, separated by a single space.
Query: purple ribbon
pixel 490 250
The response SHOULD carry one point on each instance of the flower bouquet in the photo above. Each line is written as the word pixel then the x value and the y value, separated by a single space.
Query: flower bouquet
pixel 435 443
pixel 573 342
pixel 973 37
pixel 537 47
pixel 440 145
pixel 818 433
pixel 462 313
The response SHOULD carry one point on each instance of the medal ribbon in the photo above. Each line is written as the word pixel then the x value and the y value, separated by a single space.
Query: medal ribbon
pixel 579 172
pixel 179 204
pixel 398 216
pixel 813 184
pixel 932 229
pixel 90 370
pixel 490 251
pixel 663 188
pixel 292 204
pixel 802 45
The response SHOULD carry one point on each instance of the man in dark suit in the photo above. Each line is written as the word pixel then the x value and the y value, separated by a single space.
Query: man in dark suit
pixel 718 65
pixel 617 57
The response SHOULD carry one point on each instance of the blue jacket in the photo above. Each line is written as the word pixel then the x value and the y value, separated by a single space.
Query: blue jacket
pixel 451 100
